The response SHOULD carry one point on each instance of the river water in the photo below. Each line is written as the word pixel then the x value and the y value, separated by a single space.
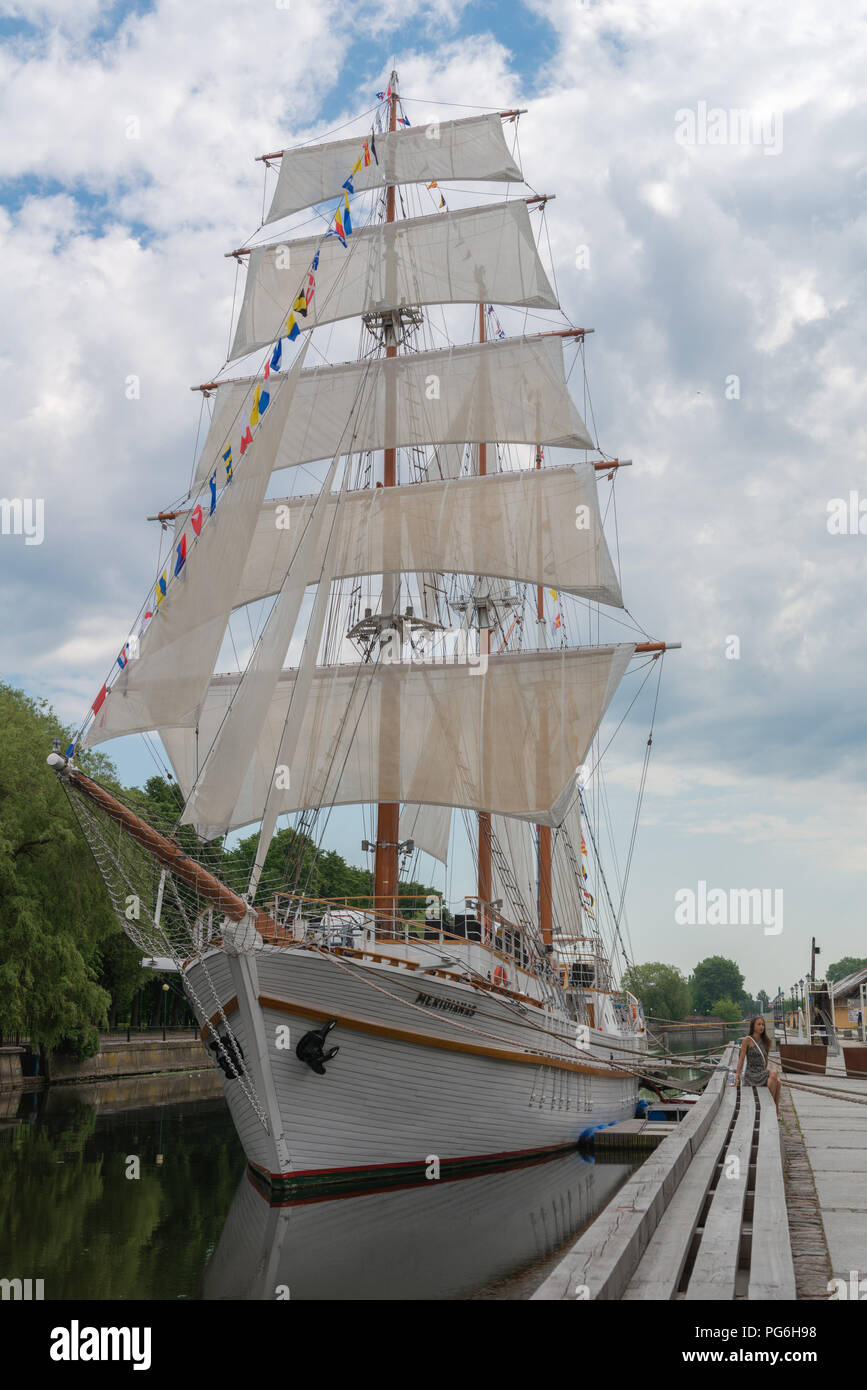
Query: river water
pixel 132 1201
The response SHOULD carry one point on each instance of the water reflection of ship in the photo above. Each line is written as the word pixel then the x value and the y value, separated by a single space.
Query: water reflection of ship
pixel 436 1240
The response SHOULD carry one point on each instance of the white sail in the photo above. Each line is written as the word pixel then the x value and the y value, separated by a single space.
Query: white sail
pixel 430 827
pixel 464 257
pixel 467 737
pixel 517 840
pixel 472 148
pixel 540 526
pixel 238 738
pixel 512 391
pixel 165 683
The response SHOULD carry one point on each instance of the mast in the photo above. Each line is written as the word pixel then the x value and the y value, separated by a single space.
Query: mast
pixel 486 891
pixel 546 923
pixel 385 873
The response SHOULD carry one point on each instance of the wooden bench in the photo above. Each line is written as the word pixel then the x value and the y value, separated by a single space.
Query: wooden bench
pixel 729 1219
pixel 714 1274
pixel 659 1273
pixel 772 1273
pixel 703 1218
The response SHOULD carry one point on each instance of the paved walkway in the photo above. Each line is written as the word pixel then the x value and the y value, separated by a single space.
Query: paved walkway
pixel 835 1133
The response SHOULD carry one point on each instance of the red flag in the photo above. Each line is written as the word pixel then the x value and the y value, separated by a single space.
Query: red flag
pixel 99 701
pixel 196 519
pixel 247 439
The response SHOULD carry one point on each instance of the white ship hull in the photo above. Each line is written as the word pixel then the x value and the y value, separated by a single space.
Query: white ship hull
pixel 414 1080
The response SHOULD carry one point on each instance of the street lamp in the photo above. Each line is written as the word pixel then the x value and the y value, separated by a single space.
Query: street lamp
pixel 165 1003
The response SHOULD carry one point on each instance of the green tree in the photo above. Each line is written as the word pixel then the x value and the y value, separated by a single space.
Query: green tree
pixel 715 977
pixel 727 1010
pixel 54 912
pixel 763 1001
pixel 662 989
pixel 847 966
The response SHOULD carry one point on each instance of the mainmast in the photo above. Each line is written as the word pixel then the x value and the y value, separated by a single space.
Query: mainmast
pixel 486 891
pixel 546 916
pixel 388 813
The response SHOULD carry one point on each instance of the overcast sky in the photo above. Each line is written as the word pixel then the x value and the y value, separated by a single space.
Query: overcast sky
pixel 710 158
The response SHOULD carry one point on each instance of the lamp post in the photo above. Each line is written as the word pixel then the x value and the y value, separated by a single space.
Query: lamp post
pixel 804 1006
pixel 165 1003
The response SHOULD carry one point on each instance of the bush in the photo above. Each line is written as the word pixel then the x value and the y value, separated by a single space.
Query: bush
pixel 80 1044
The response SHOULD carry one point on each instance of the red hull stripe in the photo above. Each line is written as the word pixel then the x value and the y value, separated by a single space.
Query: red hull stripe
pixel 505 1156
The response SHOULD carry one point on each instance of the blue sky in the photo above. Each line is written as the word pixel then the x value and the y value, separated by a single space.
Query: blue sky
pixel 706 263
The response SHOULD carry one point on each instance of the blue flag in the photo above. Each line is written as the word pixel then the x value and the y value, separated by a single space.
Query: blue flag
pixel 277 356
pixel 213 486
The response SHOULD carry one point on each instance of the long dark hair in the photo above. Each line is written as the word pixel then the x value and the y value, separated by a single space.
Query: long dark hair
pixel 764 1039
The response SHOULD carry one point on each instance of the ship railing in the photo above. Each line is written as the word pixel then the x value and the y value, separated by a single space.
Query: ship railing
pixel 628 1010
pixel 352 922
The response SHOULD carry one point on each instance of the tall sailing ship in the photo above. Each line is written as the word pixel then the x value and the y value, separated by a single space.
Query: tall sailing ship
pixel 410 652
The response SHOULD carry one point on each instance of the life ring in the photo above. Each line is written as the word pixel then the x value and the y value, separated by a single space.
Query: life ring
pixel 500 976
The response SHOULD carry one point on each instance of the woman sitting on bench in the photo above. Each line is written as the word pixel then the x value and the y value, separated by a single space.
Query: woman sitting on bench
pixel 754 1060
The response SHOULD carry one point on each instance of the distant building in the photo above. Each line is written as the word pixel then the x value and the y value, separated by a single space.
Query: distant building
pixel 847 999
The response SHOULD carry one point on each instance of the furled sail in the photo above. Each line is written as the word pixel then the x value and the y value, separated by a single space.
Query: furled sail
pixel 467 737
pixel 565 890
pixel 464 257
pixel 540 526
pixel 178 649
pixel 472 148
pixel 513 391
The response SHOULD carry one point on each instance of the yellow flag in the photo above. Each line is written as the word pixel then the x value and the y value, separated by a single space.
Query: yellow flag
pixel 553 593
pixel 254 413
pixel 356 166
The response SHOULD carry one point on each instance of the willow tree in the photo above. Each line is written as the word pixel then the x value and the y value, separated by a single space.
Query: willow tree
pixel 54 913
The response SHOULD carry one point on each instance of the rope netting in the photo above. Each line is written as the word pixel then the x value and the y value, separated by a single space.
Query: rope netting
pixel 166 917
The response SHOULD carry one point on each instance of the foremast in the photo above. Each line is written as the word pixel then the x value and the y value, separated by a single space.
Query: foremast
pixel 386 854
